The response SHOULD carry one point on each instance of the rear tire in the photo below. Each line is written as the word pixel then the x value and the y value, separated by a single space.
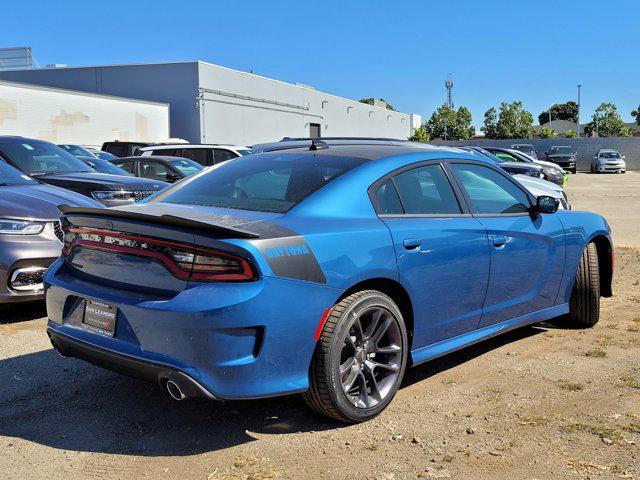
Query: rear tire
pixel 584 303
pixel 360 358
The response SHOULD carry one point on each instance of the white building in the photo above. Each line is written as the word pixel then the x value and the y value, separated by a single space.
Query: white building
pixel 213 104
pixel 64 116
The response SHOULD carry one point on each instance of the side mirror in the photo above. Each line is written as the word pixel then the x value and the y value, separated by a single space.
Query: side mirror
pixel 545 204
pixel 172 177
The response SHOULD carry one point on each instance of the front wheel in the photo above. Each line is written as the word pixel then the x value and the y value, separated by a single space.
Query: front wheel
pixel 360 358
pixel 584 303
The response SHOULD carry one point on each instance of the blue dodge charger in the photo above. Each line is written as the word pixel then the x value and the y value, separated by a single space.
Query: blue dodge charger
pixel 323 267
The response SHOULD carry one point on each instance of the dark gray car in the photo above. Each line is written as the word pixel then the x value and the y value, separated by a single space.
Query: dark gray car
pixel 30 233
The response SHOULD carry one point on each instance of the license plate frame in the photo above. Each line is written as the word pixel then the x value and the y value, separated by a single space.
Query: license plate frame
pixel 100 317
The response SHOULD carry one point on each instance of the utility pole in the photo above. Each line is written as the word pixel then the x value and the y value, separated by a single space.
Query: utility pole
pixel 578 129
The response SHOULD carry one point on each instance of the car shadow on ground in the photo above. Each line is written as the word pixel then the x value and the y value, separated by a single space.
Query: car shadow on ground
pixel 22 312
pixel 70 405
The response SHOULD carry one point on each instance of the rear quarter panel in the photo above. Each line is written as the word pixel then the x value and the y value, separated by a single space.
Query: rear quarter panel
pixel 580 228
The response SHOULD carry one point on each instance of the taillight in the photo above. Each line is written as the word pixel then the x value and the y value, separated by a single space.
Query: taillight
pixel 186 262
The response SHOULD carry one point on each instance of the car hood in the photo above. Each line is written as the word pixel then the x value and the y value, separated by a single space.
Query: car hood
pixel 39 202
pixel 522 166
pixel 548 164
pixel 106 180
pixel 538 186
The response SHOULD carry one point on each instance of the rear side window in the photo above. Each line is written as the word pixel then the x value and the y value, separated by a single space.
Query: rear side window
pixel 220 155
pixel 427 191
pixel 116 149
pixel 270 182
pixel 170 152
pixel 198 155
pixel 490 192
pixel 388 201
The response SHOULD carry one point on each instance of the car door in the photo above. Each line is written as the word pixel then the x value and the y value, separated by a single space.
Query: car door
pixel 527 249
pixel 441 250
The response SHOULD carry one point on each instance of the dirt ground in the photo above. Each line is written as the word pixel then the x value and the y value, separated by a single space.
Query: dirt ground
pixel 542 402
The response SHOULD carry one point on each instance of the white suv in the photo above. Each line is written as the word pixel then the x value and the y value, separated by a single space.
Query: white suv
pixel 205 155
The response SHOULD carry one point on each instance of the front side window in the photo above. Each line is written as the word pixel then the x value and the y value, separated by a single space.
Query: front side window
pixel 126 166
pixel 273 182
pixel 154 171
pixel 426 191
pixel 170 152
pixel 489 191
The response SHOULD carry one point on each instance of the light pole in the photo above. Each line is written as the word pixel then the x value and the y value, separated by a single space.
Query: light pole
pixel 578 130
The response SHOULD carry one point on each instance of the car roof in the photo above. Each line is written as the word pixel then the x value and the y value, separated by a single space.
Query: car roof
pixel 358 148
pixel 169 146
pixel 146 158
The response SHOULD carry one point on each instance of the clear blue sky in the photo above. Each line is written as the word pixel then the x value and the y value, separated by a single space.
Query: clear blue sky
pixel 402 51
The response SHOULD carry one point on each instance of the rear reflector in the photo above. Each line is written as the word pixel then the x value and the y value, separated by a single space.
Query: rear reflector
pixel 323 320
pixel 186 262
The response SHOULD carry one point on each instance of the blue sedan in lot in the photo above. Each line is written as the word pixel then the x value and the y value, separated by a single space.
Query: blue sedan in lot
pixel 325 268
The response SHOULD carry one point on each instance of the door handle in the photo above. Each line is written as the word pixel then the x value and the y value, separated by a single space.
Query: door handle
pixel 411 243
pixel 499 240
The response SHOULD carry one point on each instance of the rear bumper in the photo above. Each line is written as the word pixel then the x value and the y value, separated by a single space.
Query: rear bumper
pixel 134 367
pixel 242 340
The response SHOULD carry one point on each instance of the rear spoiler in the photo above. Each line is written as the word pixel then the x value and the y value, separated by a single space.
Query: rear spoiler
pixel 231 232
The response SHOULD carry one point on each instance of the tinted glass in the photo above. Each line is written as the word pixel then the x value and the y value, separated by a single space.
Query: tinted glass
pixel 11 176
pixel 116 149
pixel 220 155
pixel 35 157
pixel 171 152
pixel 186 167
pixel 154 170
pixel 196 154
pixel 77 151
pixel 126 166
pixel 426 190
pixel 269 182
pixel 490 192
pixel 104 155
pixel 103 166
pixel 244 152
pixel 388 201
pixel 609 155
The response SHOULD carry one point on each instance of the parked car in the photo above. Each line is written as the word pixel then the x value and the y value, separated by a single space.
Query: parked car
pixel 102 155
pixel 77 151
pixel 326 269
pixel 30 232
pixel 205 155
pixel 51 164
pixel 103 166
pixel 551 171
pixel 532 180
pixel 123 149
pixel 530 169
pixel 526 148
pixel 563 156
pixel 163 168
pixel 607 160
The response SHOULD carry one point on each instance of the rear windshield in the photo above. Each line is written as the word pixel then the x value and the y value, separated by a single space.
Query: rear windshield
pixel 186 167
pixel 274 182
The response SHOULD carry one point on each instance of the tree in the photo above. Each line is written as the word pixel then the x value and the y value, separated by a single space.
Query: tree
pixel 490 127
pixel 369 101
pixel 636 114
pixel 570 134
pixel 450 124
pixel 420 134
pixel 606 122
pixel 560 111
pixel 548 133
pixel 513 121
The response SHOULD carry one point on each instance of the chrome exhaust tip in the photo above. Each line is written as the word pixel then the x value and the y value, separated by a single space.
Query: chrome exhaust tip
pixel 174 390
